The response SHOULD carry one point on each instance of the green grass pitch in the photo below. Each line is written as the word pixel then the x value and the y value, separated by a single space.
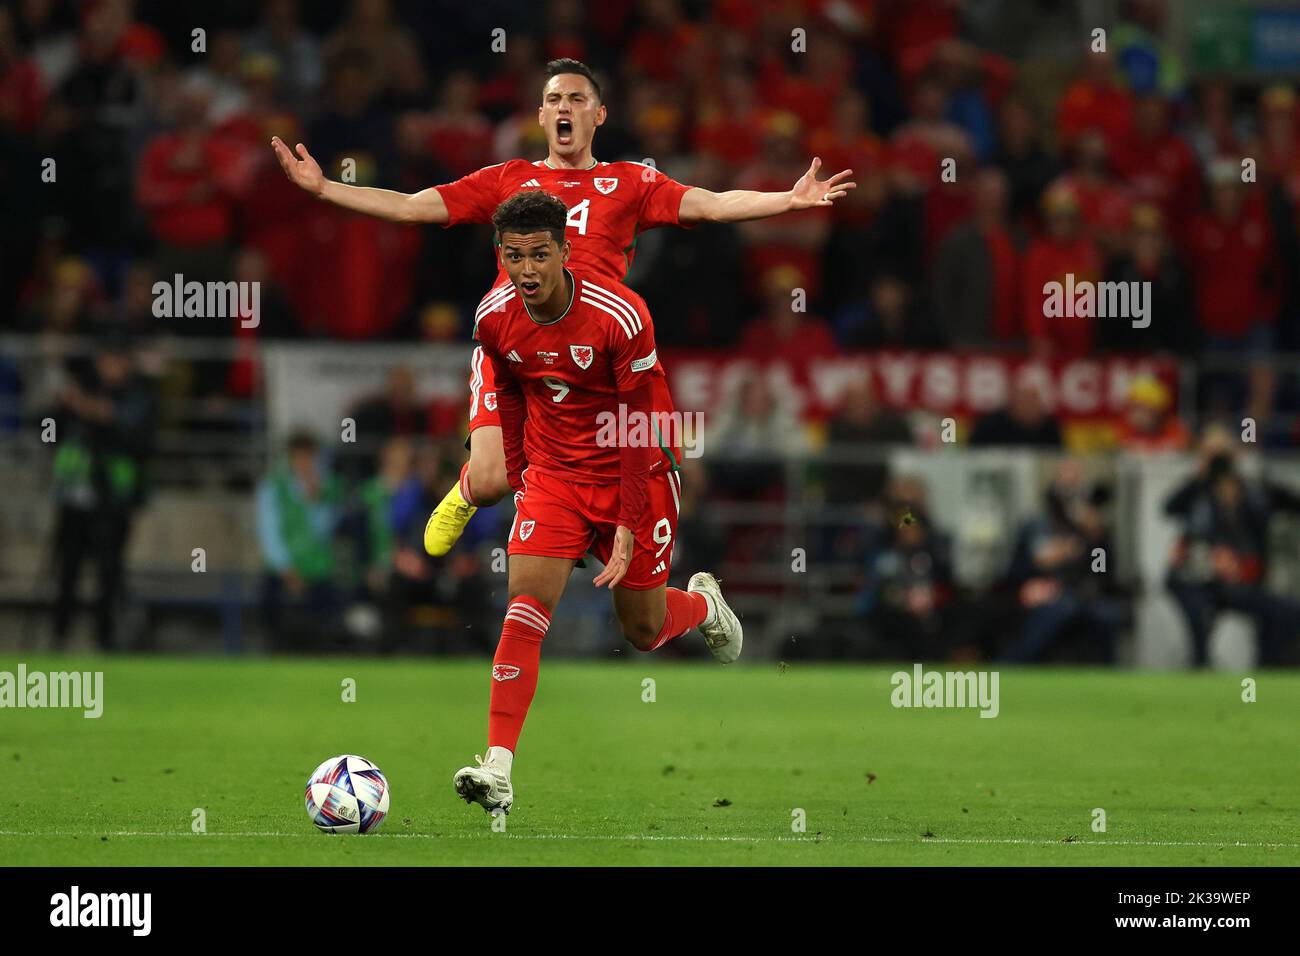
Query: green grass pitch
pixel 711 772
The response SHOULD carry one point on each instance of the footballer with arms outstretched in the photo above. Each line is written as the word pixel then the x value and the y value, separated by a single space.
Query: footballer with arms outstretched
pixel 569 350
pixel 608 204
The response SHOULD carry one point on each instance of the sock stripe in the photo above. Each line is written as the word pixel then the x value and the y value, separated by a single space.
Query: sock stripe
pixel 526 622
pixel 528 615
pixel 464 483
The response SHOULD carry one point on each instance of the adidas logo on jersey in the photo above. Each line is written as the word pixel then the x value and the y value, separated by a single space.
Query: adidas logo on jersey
pixel 514 356
pixel 531 184
pixel 659 567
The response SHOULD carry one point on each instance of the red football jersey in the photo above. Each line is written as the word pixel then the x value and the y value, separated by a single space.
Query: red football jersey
pixel 571 371
pixel 609 205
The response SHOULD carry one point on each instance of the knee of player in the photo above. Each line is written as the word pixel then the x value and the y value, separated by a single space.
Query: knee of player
pixel 640 633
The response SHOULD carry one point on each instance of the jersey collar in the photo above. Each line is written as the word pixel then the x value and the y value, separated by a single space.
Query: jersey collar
pixel 594 164
pixel 573 290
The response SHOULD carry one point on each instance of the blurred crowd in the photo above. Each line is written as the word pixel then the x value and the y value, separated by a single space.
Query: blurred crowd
pixel 1057 596
pixel 1112 165
pixel 1127 169
pixel 345 560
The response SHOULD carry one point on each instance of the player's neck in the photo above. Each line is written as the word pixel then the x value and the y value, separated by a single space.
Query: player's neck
pixel 558 305
pixel 583 160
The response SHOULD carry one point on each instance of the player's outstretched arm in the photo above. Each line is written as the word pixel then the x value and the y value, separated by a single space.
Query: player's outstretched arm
pixel 742 205
pixel 305 172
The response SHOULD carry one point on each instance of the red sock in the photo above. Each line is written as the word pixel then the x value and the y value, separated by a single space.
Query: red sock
pixel 686 609
pixel 464 483
pixel 514 670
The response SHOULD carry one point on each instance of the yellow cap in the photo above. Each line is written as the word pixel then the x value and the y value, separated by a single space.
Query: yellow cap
pixel 1149 391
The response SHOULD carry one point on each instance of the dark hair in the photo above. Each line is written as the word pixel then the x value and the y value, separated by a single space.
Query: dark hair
pixel 300 439
pixel 531 211
pixel 566 65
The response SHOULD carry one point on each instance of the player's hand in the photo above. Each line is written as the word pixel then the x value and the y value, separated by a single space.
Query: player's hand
pixel 304 172
pixel 810 191
pixel 619 559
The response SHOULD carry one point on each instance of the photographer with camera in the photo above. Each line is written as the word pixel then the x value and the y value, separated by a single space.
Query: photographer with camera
pixel 1052 572
pixel 1220 561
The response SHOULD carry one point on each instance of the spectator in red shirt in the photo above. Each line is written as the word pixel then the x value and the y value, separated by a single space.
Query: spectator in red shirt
pixel 565 32
pixel 911 28
pixel 22 92
pixel 460 136
pixel 1094 101
pixel 1234 265
pixel 846 141
pixel 512 88
pixel 665 43
pixel 811 88
pixel 1232 261
pixel 796 239
pixel 796 337
pixel 263 116
pixel 187 183
pixel 729 120
pixel 1104 203
pixel 1150 424
pixel 1157 166
pixel 920 143
pixel 1065 249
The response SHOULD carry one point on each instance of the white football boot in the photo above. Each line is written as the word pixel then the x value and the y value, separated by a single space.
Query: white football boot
pixel 488 785
pixel 723 633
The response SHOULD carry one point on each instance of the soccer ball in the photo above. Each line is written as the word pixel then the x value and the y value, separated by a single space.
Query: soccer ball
pixel 347 794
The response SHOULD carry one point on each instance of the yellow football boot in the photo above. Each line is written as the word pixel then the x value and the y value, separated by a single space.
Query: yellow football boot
pixel 447 522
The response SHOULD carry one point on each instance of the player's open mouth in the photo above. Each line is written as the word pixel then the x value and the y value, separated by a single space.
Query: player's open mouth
pixel 564 131
pixel 529 288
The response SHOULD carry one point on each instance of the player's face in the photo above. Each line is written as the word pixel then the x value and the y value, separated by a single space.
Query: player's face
pixel 570 113
pixel 535 263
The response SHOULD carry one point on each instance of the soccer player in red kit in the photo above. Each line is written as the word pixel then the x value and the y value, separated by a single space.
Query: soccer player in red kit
pixel 572 354
pixel 609 204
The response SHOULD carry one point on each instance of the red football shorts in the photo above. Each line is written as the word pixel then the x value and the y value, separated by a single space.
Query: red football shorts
pixel 557 518
pixel 482 392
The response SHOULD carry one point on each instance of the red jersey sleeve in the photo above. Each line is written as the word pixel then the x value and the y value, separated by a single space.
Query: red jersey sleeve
pixel 473 198
pixel 512 410
pixel 661 198
pixel 633 358
pixel 632 348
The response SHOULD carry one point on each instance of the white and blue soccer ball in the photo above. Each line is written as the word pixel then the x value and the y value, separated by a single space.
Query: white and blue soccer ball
pixel 347 794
